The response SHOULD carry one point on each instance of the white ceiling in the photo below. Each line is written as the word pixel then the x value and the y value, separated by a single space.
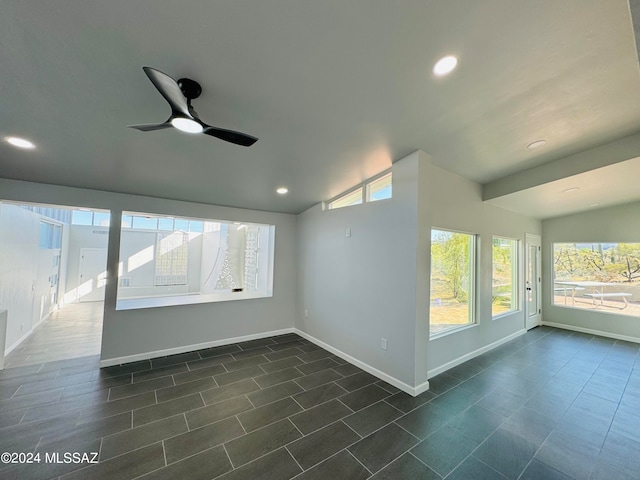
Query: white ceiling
pixel 335 90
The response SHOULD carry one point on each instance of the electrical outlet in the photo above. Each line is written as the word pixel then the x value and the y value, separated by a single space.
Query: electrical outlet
pixel 306 313
pixel 383 343
pixel 348 232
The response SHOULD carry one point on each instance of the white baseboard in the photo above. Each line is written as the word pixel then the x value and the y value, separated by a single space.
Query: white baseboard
pixel 108 362
pixel 475 353
pixel 592 332
pixel 366 367
pixel 19 341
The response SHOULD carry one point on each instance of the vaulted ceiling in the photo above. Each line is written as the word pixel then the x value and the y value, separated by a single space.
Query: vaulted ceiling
pixel 335 91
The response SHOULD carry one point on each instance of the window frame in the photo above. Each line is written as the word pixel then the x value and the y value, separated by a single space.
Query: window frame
pixel 364 188
pixel 515 277
pixel 473 281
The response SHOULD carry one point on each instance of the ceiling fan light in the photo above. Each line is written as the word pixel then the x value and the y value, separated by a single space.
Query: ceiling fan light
pixel 186 125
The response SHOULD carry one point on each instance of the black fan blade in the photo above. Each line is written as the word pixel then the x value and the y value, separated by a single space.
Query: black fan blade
pixel 151 126
pixel 230 136
pixel 169 89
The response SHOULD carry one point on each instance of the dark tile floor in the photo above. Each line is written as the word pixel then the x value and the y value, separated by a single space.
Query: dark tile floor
pixel 551 404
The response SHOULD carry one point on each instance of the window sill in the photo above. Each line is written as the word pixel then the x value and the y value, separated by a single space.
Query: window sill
pixel 451 331
pixel 193 299
pixel 505 314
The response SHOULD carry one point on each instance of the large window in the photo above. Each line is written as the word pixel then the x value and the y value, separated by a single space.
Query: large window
pixel 597 276
pixel 504 257
pixel 172 261
pixel 452 281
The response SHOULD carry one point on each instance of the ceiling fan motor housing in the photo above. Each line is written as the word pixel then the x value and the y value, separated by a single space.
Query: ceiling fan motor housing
pixel 190 88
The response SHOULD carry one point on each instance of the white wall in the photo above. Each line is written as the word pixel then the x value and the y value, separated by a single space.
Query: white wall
pixel 376 283
pixel 358 289
pixel 129 333
pixel 614 224
pixel 19 231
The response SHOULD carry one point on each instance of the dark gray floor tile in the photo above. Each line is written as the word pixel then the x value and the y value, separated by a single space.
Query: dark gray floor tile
pixel 405 402
pixel 197 374
pixel 424 420
pixel 319 395
pixel 278 465
pixel 218 394
pixel 12 417
pixel 95 386
pixel 318 365
pixel 218 411
pixel 383 446
pixel 320 416
pixel 364 397
pixel 341 465
pixel 444 450
pixel 530 425
pixel 158 372
pixel 53 383
pixel 506 452
pixel 627 424
pixel 271 394
pixel 261 416
pixel 590 426
pixel 260 442
pixel 280 376
pixel 244 363
pixel 209 361
pixel 388 387
pixel 407 466
pixel 255 343
pixel 537 470
pixel 502 402
pixel 284 353
pixel 202 466
pixel 130 465
pixel 131 439
pixel 117 393
pixel 125 368
pixel 184 389
pixel 238 375
pixel 373 417
pixel 26 401
pixel 568 455
pixel 455 401
pixel 108 409
pixel 347 369
pixel 319 378
pixel 477 423
pixel 203 438
pixel 286 337
pixel 322 444
pixel 162 410
pixel 605 471
pixel 217 351
pixel 73 404
pixel 359 380
pixel 314 355
pixel 310 347
pixel 174 359
pixel 471 468
pixel 286 346
pixel 246 354
pixel 443 382
pixel 86 431
pixel 280 364
pixel 622 453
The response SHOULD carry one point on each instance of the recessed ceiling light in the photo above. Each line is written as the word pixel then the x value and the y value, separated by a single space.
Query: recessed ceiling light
pixel 186 125
pixel 20 142
pixel 282 190
pixel 445 65
pixel 536 144
pixel 571 190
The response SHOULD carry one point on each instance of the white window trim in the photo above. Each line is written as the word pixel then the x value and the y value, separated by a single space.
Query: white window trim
pixel 365 187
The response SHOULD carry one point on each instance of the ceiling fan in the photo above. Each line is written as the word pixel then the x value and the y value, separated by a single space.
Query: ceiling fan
pixel 183 117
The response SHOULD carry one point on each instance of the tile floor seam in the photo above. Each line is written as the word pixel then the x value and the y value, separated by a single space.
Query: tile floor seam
pixel 164 454
pixel 295 460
